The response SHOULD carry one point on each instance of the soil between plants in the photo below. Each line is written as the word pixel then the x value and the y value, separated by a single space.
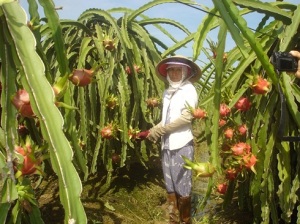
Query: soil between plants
pixel 136 196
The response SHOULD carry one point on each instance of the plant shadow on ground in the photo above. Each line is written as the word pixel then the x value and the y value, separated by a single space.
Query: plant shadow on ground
pixel 136 195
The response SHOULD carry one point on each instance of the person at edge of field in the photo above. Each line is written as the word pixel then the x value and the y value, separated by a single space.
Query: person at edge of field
pixel 175 132
pixel 296 54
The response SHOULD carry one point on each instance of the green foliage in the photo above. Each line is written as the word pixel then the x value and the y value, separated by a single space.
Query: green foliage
pixel 31 75
pixel 274 177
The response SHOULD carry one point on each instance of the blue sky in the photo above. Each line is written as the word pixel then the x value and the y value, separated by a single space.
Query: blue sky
pixel 187 16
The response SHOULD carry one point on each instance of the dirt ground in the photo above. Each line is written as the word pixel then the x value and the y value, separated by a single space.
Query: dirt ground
pixel 136 196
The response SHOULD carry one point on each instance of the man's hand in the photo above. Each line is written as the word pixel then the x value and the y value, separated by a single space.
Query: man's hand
pixel 157 131
pixel 297 55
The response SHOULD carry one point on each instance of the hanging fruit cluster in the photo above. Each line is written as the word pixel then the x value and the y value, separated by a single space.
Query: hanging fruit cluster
pixel 235 147
pixel 28 159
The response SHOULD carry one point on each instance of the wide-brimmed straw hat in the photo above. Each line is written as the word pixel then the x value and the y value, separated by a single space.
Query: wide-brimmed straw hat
pixel 194 72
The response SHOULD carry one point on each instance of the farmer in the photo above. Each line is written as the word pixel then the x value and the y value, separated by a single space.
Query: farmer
pixel 175 132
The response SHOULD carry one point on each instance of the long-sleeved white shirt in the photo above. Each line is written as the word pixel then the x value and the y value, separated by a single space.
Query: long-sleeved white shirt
pixel 185 95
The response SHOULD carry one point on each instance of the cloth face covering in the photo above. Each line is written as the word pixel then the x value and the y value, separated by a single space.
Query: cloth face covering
pixel 173 86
